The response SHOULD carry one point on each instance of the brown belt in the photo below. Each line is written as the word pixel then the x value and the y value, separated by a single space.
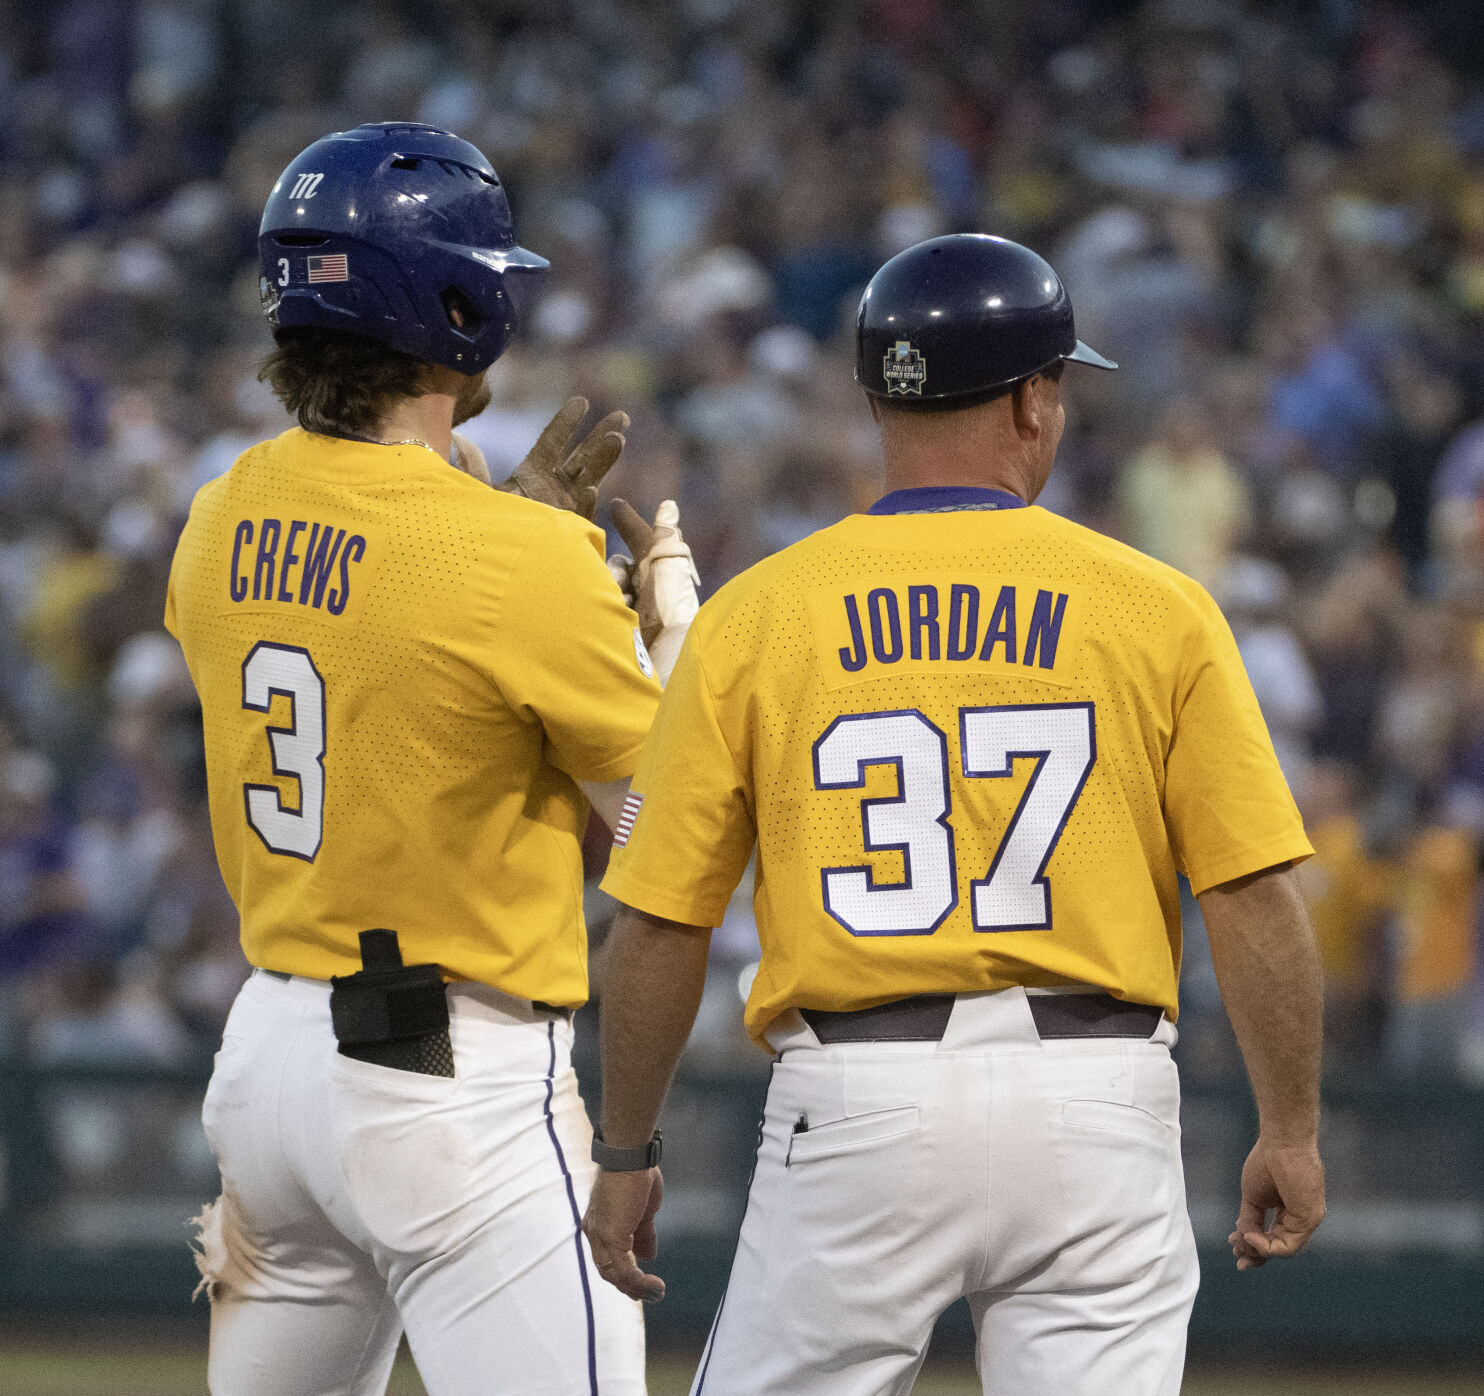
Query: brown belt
pixel 924 1018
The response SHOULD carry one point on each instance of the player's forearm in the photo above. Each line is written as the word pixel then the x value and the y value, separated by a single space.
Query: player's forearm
pixel 652 986
pixel 1267 964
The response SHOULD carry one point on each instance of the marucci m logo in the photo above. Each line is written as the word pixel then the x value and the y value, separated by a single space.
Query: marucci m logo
pixel 305 186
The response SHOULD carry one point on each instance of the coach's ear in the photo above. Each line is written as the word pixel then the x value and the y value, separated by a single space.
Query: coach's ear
pixel 1028 410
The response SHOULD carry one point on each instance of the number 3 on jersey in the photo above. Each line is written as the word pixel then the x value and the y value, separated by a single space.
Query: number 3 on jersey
pixel 1014 894
pixel 298 749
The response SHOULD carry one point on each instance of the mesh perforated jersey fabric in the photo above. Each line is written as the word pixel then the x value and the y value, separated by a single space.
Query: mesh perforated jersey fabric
pixel 402 674
pixel 974 749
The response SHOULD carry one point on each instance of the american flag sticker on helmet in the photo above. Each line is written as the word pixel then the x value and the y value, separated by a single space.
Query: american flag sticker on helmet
pixel 332 266
pixel 626 818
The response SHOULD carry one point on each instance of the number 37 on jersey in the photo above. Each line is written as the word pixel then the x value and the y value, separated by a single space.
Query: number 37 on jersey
pixel 1011 893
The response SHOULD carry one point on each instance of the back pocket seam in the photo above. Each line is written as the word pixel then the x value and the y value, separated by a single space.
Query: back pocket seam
pixel 833 1137
pixel 1154 1130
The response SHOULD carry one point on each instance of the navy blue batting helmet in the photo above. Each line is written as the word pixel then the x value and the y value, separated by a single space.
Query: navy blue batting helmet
pixel 961 317
pixel 398 232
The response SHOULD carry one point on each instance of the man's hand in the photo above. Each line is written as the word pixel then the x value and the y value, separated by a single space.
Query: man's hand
pixel 1287 1180
pixel 620 1228
pixel 554 473
pixel 1267 963
pixel 661 580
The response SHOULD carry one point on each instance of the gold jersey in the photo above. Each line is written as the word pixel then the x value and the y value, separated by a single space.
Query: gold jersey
pixel 973 741
pixel 402 675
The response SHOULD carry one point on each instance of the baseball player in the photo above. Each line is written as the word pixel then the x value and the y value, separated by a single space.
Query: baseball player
pixel 974 744
pixel 411 686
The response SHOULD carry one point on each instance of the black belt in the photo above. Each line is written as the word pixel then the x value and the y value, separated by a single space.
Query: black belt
pixel 924 1018
pixel 555 1010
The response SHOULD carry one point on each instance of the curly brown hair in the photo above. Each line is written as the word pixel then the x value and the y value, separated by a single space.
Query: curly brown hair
pixel 335 382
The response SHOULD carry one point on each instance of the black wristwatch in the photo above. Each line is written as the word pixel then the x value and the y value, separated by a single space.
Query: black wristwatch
pixel 634 1160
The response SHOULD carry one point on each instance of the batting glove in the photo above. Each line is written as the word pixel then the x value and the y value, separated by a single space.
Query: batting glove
pixel 470 459
pixel 554 473
pixel 661 584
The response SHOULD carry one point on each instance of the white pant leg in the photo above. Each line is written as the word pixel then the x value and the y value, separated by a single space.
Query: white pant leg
pixel 1092 1268
pixel 296 1309
pixel 342 1345
pixel 854 1239
pixel 510 1287
pixel 1042 1179
pixel 461 1195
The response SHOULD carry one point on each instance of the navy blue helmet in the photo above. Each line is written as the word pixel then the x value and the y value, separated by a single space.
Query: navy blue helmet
pixel 960 317
pixel 398 232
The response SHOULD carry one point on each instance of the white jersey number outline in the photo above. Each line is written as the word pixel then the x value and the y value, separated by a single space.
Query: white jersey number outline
pixel 914 822
pixel 298 749
pixel 1015 894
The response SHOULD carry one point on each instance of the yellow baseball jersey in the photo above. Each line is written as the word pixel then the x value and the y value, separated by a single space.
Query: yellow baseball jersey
pixel 974 743
pixel 402 675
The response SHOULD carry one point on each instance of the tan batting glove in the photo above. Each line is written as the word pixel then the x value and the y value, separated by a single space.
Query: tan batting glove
pixel 470 459
pixel 661 583
pixel 622 569
pixel 554 473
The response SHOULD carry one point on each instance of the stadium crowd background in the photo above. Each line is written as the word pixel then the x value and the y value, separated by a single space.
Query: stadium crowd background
pixel 1271 215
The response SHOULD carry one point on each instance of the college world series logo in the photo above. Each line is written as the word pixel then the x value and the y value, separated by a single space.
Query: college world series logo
pixel 904 369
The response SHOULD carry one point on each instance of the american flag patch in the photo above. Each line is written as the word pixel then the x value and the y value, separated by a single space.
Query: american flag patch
pixel 626 818
pixel 331 266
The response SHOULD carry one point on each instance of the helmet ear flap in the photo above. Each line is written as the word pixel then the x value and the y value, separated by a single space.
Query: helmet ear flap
pixel 464 317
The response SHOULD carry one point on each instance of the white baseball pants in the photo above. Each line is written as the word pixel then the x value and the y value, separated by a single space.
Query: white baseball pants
pixel 1042 1180
pixel 359 1200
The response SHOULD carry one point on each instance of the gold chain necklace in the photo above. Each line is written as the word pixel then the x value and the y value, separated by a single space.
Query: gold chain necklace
pixel 374 441
pixel 414 441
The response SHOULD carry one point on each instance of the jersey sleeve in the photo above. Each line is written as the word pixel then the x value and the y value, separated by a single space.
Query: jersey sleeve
pixel 570 654
pixel 688 831
pixel 1227 807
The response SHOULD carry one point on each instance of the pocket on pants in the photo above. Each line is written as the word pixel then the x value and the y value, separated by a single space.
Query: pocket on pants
pixel 404 1153
pixel 394 1080
pixel 853 1133
pixel 1111 1117
pixel 1116 1156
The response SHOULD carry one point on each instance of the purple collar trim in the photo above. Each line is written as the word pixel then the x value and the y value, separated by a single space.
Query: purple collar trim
pixel 944 499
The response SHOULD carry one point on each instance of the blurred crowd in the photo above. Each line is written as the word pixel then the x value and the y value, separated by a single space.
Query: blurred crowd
pixel 1272 215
